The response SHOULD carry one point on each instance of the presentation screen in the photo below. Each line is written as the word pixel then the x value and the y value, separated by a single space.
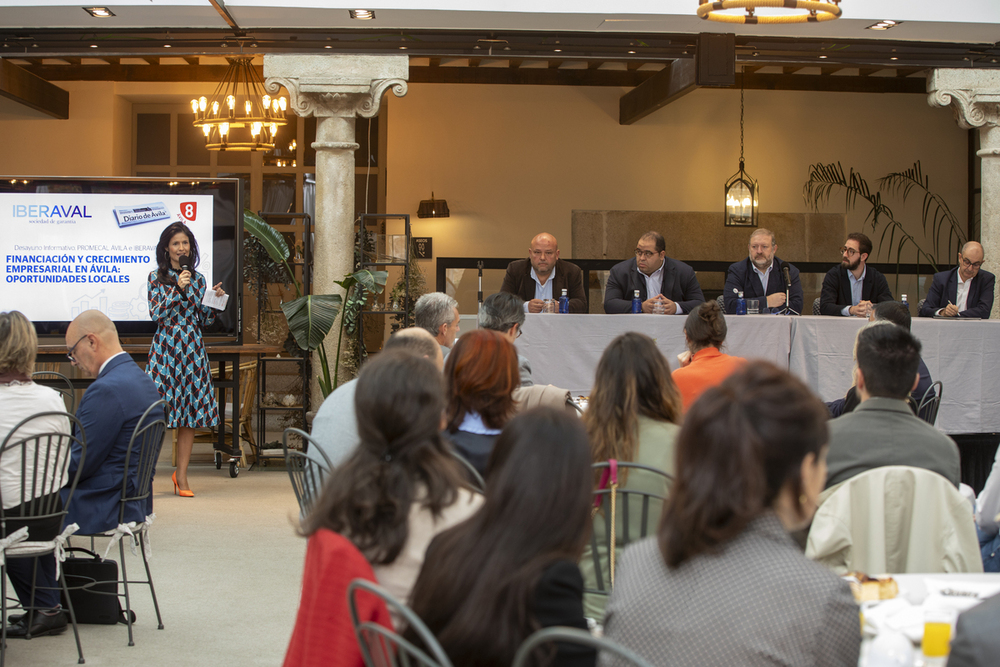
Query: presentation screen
pixel 72 244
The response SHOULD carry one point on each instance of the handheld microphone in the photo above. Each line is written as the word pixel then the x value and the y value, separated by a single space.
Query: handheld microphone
pixel 185 263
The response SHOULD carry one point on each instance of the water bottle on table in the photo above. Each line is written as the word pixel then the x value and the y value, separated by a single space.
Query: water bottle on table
pixel 741 303
pixel 636 303
pixel 564 302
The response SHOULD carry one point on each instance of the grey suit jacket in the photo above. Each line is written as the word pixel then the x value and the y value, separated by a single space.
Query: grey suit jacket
pixel 977 642
pixel 885 432
pixel 757 601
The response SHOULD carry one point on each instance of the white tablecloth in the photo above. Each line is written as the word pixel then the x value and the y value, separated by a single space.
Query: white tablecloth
pixel 965 355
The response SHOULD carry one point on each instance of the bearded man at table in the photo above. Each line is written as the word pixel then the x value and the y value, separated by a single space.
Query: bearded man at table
pixel 544 276
pixel 883 431
pixel 852 286
pixel 657 277
pixel 964 291
pixel 761 276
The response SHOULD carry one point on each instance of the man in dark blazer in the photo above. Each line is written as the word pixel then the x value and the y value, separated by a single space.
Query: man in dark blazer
pixel 850 288
pixel 109 412
pixel 746 276
pixel 678 291
pixel 544 276
pixel 975 299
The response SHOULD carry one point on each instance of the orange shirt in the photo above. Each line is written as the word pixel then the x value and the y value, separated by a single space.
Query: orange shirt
pixel 708 368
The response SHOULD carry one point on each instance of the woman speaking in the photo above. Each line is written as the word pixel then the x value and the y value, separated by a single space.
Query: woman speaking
pixel 177 359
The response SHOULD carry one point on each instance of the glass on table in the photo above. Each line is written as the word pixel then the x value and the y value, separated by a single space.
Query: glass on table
pixel 753 306
pixel 937 632
pixel 550 306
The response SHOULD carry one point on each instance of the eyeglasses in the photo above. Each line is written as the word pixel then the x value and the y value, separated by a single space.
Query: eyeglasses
pixel 967 264
pixel 851 252
pixel 645 254
pixel 70 353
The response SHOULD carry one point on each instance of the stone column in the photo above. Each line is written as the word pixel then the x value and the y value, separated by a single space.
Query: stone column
pixel 974 96
pixel 336 89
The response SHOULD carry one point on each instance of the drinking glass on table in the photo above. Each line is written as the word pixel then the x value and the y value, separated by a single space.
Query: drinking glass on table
pixel 753 306
pixel 659 308
pixel 937 633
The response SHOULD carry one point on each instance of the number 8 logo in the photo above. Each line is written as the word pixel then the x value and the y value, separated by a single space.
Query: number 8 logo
pixel 189 210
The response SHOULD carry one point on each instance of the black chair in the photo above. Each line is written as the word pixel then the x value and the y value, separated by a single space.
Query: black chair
pixel 816 310
pixel 45 459
pixel 60 383
pixel 144 449
pixel 475 479
pixel 381 646
pixel 627 501
pixel 307 474
pixel 722 302
pixel 566 635
pixel 930 402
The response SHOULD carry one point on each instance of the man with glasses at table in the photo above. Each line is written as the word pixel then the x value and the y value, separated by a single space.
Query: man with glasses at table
pixel 852 287
pixel 965 291
pixel 659 279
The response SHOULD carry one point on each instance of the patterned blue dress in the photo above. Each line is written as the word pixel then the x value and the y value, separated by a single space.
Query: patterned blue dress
pixel 178 362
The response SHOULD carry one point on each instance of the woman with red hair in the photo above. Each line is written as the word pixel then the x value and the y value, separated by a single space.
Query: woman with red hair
pixel 481 374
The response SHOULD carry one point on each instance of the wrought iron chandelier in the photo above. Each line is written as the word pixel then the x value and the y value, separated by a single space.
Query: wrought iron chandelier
pixel 741 188
pixel 787 11
pixel 240 116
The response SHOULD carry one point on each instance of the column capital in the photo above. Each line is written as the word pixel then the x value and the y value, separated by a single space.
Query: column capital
pixel 336 85
pixel 973 94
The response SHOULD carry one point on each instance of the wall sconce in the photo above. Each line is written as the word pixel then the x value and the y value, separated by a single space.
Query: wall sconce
pixel 433 208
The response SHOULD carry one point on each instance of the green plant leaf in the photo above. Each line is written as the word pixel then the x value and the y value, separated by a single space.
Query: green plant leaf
pixel 268 236
pixel 311 317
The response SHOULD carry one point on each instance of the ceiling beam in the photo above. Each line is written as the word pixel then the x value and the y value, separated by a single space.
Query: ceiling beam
pixel 834 84
pixel 670 83
pixel 527 76
pixel 25 88
pixel 191 60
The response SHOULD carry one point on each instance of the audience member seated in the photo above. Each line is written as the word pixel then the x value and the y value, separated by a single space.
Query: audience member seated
pixel 544 276
pixel 21 398
pixel 965 291
pixel 706 366
pixel 977 642
pixel 723 583
pixel 632 417
pixel 988 518
pixel 852 287
pixel 438 314
pixel 335 428
pixel 480 377
pixel 759 276
pixel 899 314
pixel 489 583
pixel 882 430
pixel 109 412
pixel 504 313
pixel 402 485
pixel 670 285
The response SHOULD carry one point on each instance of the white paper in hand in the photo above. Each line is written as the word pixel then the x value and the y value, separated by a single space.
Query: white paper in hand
pixel 217 302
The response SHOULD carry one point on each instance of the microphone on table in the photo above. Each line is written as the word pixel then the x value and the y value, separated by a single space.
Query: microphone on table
pixel 784 270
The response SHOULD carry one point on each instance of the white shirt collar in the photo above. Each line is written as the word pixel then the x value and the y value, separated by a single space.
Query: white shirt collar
pixel 473 423
pixel 108 360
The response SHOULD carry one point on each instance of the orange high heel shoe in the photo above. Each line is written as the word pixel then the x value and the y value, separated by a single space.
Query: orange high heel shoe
pixel 183 493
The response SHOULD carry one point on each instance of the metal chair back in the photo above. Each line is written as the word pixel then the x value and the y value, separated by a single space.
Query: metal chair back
pixel 307 474
pixel 816 310
pixel 310 445
pixel 475 479
pixel 627 502
pixel 382 647
pixel 144 449
pixel 930 402
pixel 574 636
pixel 45 458
pixel 722 302
pixel 60 383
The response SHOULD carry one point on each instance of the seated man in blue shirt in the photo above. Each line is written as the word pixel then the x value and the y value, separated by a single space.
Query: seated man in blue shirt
pixel 852 287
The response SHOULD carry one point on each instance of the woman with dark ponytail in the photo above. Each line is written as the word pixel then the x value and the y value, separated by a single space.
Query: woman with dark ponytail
pixel 723 583
pixel 705 366
pixel 402 486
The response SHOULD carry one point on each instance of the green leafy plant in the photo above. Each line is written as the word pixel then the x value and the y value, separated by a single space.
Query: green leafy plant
pixel 311 316
pixel 936 217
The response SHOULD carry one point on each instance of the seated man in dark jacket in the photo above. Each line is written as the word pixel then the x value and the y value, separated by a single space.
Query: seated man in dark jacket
pixel 965 291
pixel 109 412
pixel 657 278
pixel 761 276
pixel 852 287
pixel 544 276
